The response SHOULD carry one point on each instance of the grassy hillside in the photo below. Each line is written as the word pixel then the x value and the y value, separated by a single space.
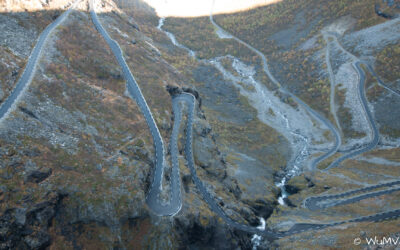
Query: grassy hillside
pixel 277 30
pixel 281 30
pixel 199 35
pixel 256 25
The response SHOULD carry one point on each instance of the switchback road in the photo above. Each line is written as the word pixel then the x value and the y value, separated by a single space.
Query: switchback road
pixel 375 133
pixel 153 198
pixel 314 113
pixel 268 233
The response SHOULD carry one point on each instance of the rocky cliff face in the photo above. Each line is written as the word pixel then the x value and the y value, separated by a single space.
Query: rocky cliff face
pixel 28 227
pixel 76 154
pixel 34 5
pixel 64 167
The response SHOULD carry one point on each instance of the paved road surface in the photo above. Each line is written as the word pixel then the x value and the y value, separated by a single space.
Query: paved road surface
pixel 26 78
pixel 175 202
pixel 297 228
pixel 375 133
pixel 320 202
pixel 372 71
pixel 153 199
pixel 354 58
pixel 173 207
pixel 315 114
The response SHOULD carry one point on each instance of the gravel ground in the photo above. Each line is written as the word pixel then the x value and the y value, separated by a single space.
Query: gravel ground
pixel 17 38
pixel 370 40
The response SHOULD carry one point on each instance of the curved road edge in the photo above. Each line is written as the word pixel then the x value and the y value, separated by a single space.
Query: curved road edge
pixel 191 100
pixel 312 202
pixel 375 133
pixel 314 113
pixel 29 71
pixel 153 196
pixel 268 233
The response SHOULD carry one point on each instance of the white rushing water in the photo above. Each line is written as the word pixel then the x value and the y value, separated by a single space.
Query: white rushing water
pixel 270 110
pixel 256 239
pixel 268 106
pixel 284 194
pixel 173 39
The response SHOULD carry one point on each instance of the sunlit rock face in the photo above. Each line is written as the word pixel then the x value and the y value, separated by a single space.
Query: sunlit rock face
pixel 193 8
pixel 36 5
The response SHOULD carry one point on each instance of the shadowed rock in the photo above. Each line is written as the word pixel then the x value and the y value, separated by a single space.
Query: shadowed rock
pixel 38 176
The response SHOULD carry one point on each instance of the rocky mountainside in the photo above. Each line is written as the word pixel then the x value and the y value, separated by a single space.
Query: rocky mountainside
pixel 77 158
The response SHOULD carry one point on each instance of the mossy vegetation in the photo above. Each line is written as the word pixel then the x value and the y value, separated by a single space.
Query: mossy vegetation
pixel 256 25
pixel 389 154
pixel 98 118
pixel 388 64
pixel 199 35
pixel 295 68
pixel 345 117
pixel 373 90
pixel 258 137
pixel 324 164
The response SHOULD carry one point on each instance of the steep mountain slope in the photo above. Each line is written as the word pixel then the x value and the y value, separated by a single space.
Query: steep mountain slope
pixel 311 47
pixel 77 157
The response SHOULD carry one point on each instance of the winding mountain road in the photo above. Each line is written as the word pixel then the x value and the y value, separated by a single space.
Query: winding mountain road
pixel 153 198
pixel 303 227
pixel 314 203
pixel 310 203
pixel 26 78
pixel 314 113
pixel 175 202
pixel 190 100
pixel 375 133
pixel 355 58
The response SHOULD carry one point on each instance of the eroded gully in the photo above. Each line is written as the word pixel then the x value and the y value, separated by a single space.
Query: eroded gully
pixel 263 100
pixel 190 100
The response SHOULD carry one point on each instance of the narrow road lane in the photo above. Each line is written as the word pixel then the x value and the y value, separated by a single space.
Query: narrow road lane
pixel 375 133
pixel 313 113
pixel 268 233
pixel 314 203
pixel 26 78
pixel 153 198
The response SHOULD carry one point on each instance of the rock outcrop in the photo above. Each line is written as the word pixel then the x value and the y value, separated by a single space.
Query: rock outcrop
pixel 27 227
